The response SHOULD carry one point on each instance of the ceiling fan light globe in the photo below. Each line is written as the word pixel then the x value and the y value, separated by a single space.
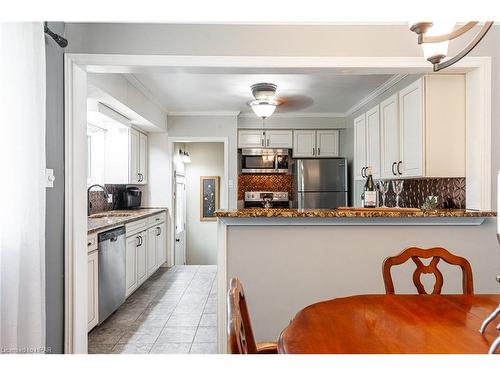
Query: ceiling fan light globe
pixel 262 109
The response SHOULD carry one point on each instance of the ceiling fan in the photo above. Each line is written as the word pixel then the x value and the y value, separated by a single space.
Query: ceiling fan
pixel 266 100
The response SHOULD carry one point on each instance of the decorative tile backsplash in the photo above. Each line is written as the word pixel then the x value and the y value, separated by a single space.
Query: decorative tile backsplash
pixel 98 199
pixel 450 192
pixel 264 182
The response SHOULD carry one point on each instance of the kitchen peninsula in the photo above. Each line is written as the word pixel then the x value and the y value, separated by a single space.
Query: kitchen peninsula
pixel 288 259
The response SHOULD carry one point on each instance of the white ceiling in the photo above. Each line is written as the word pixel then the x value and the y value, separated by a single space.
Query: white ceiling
pixel 307 93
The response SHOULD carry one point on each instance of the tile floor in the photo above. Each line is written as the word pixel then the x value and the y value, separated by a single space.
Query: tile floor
pixel 174 312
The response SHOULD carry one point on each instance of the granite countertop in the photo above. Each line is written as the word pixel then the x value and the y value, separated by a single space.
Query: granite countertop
pixel 98 222
pixel 347 213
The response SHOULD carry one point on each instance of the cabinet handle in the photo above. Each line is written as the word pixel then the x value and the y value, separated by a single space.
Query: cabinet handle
pixel 268 142
pixel 363 172
pixel 399 164
pixel 158 231
pixel 138 238
pixel 319 151
pixel 89 243
pixel 314 151
pixel 392 169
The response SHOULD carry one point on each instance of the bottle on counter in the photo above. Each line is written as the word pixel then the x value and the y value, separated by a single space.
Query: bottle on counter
pixel 370 193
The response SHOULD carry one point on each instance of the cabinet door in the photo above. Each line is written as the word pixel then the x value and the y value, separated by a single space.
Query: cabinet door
pixel 304 143
pixel 279 138
pixel 143 158
pixel 161 244
pixel 250 139
pixel 131 264
pixel 373 140
pixel 151 253
pixel 93 290
pixel 359 146
pixel 327 143
pixel 142 264
pixel 411 130
pixel 133 156
pixel 389 136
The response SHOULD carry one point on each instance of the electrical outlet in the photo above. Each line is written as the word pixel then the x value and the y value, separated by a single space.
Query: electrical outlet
pixel 110 199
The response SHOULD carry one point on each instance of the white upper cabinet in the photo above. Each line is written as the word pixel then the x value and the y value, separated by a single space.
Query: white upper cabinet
pixel 422 129
pixel 278 138
pixel 327 143
pixel 315 143
pixel 125 156
pixel 304 143
pixel 373 140
pixel 359 146
pixel 265 138
pixel 250 138
pixel 389 136
pixel 411 131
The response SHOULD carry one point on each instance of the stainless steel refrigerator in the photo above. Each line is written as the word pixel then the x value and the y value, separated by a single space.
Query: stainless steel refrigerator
pixel 320 183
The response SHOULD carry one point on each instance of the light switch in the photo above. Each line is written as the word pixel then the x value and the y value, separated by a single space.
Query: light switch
pixel 49 178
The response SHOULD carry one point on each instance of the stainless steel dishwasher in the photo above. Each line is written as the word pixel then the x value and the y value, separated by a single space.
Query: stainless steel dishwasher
pixel 111 271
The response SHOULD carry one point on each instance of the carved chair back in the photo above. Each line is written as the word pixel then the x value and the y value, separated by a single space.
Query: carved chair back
pixel 240 334
pixel 436 253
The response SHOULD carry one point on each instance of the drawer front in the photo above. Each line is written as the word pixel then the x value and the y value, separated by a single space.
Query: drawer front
pixel 157 219
pixel 92 242
pixel 135 227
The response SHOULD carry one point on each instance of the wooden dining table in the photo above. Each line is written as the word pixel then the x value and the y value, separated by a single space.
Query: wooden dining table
pixel 390 324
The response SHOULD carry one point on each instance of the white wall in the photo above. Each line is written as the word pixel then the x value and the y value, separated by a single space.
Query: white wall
pixel 207 159
pixel 212 126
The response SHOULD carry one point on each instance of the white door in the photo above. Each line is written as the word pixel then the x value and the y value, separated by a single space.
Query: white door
pixel 142 264
pixel 359 146
pixel 143 158
pixel 389 136
pixel 134 156
pixel 180 220
pixel 250 139
pixel 373 140
pixel 304 143
pixel 411 127
pixel 161 243
pixel 327 143
pixel 93 290
pixel 131 264
pixel 279 138
pixel 151 253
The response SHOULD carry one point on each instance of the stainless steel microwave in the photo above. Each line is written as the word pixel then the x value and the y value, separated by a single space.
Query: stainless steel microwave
pixel 264 160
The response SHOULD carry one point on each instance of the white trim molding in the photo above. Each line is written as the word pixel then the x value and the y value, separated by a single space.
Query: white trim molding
pixel 378 91
pixel 204 113
pixel 298 115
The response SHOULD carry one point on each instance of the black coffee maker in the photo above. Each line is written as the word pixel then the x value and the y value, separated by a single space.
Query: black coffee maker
pixel 130 198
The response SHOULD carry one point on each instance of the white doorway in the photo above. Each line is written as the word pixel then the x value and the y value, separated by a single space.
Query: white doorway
pixel 180 218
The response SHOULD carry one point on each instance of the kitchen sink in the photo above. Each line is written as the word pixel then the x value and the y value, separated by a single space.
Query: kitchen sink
pixel 110 215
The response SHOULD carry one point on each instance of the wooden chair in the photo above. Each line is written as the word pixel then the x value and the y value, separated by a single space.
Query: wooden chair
pixel 437 253
pixel 240 334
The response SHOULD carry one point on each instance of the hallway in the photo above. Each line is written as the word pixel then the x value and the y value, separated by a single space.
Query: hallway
pixel 174 312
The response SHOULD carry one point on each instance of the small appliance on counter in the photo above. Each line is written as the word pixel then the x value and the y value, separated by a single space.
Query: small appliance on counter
pixel 130 197
pixel 266 199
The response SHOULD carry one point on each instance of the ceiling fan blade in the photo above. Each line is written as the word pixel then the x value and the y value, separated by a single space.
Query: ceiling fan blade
pixel 294 103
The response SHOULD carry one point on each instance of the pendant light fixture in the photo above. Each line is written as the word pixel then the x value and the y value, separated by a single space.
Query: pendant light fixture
pixel 435 36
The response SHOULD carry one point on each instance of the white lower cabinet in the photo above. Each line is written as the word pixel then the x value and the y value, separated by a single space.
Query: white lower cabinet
pixel 145 251
pixel 131 264
pixel 93 290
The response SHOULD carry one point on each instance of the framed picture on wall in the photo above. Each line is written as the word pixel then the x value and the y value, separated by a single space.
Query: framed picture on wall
pixel 209 197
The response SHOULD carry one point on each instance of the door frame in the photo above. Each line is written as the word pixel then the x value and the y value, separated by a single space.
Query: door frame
pixel 76 66
pixel 224 191
pixel 174 209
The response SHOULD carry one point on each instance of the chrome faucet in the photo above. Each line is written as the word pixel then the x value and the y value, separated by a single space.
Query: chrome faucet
pixel 89 203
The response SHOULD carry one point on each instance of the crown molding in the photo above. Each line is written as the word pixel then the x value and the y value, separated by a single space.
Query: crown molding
pixel 203 113
pixel 378 91
pixel 144 90
pixel 297 114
